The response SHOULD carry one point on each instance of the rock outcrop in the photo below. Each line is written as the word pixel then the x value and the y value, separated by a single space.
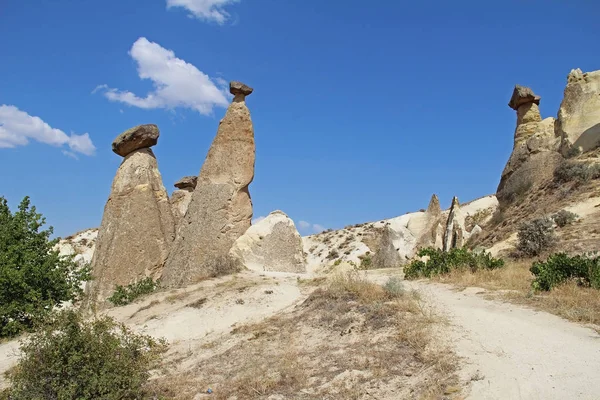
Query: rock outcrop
pixel 535 151
pixel 181 198
pixel 433 231
pixel 220 210
pixel 578 121
pixel 455 234
pixel 386 255
pixel 272 244
pixel 137 226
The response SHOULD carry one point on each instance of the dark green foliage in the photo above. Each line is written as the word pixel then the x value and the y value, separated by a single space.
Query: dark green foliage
pixel 572 171
pixel 70 358
pixel 366 261
pixel 34 278
pixel 441 262
pixel 559 268
pixel 564 218
pixel 536 237
pixel 126 294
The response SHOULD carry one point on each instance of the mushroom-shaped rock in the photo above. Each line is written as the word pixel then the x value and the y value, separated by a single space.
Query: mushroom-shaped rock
pixel 187 182
pixel 236 88
pixel 137 227
pixel 522 95
pixel 221 209
pixel 138 137
pixel 272 244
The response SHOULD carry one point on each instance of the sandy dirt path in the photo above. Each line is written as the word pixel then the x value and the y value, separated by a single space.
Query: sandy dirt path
pixel 512 352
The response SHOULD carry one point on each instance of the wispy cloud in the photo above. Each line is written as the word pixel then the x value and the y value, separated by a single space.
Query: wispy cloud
pixel 206 10
pixel 308 227
pixel 176 82
pixel 17 128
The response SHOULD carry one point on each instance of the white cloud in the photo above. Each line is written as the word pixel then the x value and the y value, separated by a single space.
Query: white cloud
pixel 257 220
pixel 207 10
pixel 176 82
pixel 310 227
pixel 17 128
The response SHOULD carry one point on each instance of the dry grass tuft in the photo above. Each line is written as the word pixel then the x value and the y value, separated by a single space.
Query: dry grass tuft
pixel 350 339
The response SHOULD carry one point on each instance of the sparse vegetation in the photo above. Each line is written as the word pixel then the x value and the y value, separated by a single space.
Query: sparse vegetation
pixel 70 358
pixel 333 254
pixel 366 261
pixel 441 262
pixel 127 294
pixel 559 268
pixel 536 237
pixel 564 218
pixel 34 278
pixel 394 286
pixel 579 172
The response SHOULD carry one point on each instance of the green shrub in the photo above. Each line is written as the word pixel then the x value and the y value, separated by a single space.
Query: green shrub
pixel 366 261
pixel 441 262
pixel 34 278
pixel 536 236
pixel 70 358
pixel 572 171
pixel 559 268
pixel 126 294
pixel 564 218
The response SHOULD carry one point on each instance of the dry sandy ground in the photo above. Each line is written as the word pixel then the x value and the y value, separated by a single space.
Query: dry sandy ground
pixel 512 352
pixel 507 351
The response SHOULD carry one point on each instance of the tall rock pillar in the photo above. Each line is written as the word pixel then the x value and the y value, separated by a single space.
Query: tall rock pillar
pixel 220 210
pixel 137 226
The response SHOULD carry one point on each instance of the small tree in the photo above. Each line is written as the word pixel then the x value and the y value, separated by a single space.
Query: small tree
pixel 536 236
pixel 71 358
pixel 34 278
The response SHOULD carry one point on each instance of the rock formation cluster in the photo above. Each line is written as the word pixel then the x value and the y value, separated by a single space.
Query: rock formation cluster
pixel 182 196
pixel 137 227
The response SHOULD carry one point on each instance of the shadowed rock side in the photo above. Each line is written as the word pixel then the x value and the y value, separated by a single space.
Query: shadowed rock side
pixel 272 244
pixel 386 255
pixel 535 150
pixel 220 210
pixel 181 198
pixel 455 235
pixel 433 231
pixel 137 227
pixel 578 121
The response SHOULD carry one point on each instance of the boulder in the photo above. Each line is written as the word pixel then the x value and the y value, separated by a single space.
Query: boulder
pixel 535 149
pixel 138 137
pixel 578 122
pixel 220 210
pixel 272 244
pixel 137 227
pixel 187 182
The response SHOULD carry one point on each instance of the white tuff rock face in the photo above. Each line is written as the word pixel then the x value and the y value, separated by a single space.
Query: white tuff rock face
pixel 273 244
pixel 579 114
pixel 81 245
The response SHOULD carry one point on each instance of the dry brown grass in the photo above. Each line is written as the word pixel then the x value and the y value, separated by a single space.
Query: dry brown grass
pixel 350 339
pixel 569 300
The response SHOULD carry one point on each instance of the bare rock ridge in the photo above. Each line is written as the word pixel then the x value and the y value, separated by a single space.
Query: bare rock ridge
pixel 220 210
pixel 535 150
pixel 272 244
pixel 137 226
pixel 578 122
pixel 180 198
pixel 454 237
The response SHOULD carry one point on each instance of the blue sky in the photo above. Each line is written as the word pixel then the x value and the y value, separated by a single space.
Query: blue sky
pixel 361 110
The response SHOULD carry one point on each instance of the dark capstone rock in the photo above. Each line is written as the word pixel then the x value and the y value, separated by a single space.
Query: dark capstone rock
pixel 522 95
pixel 138 137
pixel 187 182
pixel 236 88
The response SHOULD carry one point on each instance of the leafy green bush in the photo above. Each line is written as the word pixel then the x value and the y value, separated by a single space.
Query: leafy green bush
pixel 559 268
pixel 126 294
pixel 441 262
pixel 564 218
pixel 536 236
pixel 572 171
pixel 70 358
pixel 34 278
